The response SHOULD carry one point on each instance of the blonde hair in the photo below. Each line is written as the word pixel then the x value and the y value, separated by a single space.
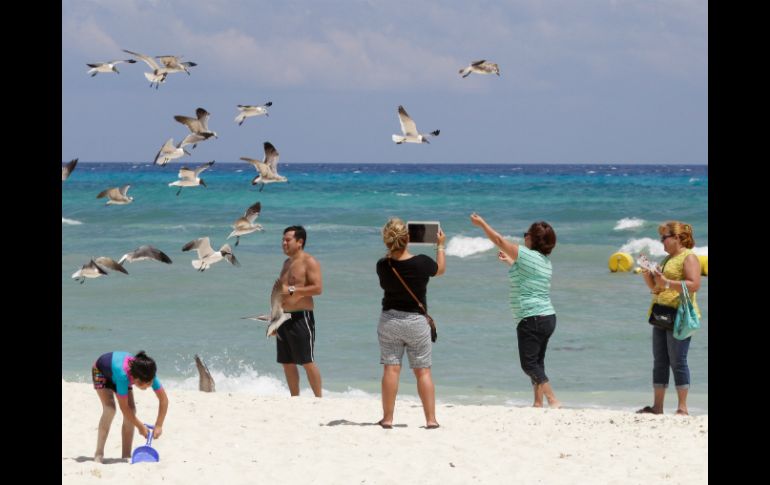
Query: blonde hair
pixel 395 235
pixel 680 230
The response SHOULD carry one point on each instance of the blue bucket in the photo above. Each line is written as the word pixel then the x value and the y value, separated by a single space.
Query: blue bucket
pixel 146 453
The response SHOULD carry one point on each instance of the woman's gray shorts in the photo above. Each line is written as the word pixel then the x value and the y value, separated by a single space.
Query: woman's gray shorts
pixel 398 330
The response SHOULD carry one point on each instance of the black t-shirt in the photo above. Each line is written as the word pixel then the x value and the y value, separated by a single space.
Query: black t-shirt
pixel 415 271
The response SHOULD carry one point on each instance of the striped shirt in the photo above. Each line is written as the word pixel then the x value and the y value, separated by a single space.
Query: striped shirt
pixel 530 277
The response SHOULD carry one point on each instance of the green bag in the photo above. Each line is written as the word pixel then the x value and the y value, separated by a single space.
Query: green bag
pixel 687 321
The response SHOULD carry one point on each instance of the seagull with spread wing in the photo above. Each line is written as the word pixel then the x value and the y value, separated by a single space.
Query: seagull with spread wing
pixel 96 268
pixel 106 67
pixel 143 253
pixel 267 170
pixel 198 126
pixel 277 316
pixel 190 178
pixel 158 74
pixel 115 195
pixel 480 67
pixel 206 254
pixel 245 225
pixel 169 152
pixel 247 111
pixel 409 130
pixel 66 170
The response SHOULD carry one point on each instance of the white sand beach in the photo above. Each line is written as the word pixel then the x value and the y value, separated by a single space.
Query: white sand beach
pixel 228 438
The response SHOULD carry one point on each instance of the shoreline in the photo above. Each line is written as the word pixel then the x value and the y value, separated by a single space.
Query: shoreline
pixel 273 386
pixel 232 437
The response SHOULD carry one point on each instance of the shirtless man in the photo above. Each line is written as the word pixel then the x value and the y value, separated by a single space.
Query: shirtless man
pixel 301 279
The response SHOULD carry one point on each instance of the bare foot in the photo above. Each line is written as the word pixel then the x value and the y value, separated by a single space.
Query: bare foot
pixel 99 458
pixel 554 403
pixel 537 405
pixel 682 412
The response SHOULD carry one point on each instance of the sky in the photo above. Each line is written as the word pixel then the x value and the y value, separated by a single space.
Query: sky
pixel 589 81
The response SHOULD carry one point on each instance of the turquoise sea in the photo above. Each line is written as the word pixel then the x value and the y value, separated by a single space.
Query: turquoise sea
pixel 599 356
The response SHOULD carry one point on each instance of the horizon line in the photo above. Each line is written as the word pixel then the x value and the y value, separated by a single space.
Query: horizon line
pixel 427 163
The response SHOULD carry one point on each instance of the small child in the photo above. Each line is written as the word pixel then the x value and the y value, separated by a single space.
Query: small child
pixel 115 373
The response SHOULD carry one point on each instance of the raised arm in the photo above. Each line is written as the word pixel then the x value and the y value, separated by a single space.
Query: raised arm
pixel 440 256
pixel 509 248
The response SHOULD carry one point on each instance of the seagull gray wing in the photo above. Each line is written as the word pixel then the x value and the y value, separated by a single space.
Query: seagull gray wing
pixel 478 63
pixel 124 190
pixel 110 263
pixel 252 161
pixel 203 117
pixel 252 212
pixel 227 253
pixel 202 245
pixel 191 123
pixel 145 252
pixel 276 299
pixel 203 167
pixel 194 138
pixel 110 193
pixel 271 157
pixel 147 59
pixel 67 169
pixel 205 381
pixel 408 127
pixel 92 264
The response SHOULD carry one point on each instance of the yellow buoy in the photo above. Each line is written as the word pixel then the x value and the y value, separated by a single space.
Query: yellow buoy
pixel 620 262
pixel 704 265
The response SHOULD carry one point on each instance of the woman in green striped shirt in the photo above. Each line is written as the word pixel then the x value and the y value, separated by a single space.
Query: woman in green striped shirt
pixel 530 277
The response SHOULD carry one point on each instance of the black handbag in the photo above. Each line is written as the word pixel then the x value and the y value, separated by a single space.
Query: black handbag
pixel 662 316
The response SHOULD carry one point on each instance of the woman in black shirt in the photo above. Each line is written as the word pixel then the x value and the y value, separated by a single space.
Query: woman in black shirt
pixel 402 325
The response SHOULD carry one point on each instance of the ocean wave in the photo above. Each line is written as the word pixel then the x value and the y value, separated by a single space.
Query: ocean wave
pixel 71 222
pixel 628 223
pixel 646 245
pixel 654 247
pixel 463 246
pixel 249 381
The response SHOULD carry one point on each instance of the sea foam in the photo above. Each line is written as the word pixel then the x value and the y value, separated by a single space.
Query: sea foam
pixel 628 223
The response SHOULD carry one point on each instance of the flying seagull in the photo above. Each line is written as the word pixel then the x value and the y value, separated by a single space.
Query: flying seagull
pixel 190 178
pixel 245 225
pixel 409 130
pixel 480 67
pixel 158 74
pixel 106 67
pixel 277 315
pixel 247 111
pixel 267 170
pixel 198 126
pixel 96 268
pixel 173 64
pixel 66 170
pixel 143 253
pixel 116 195
pixel 205 381
pixel 207 256
pixel 169 151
